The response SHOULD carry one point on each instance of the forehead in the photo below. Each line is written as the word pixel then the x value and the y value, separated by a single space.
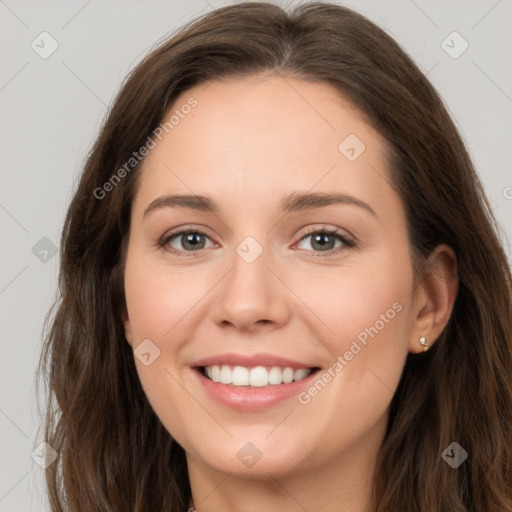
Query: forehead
pixel 265 135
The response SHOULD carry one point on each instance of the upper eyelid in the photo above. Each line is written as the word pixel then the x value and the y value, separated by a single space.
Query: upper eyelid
pixel 309 231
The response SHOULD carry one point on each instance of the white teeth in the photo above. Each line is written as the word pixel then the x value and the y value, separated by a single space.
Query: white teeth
pixel 275 375
pixel 225 375
pixel 300 374
pixel 288 375
pixel 240 376
pixel 258 376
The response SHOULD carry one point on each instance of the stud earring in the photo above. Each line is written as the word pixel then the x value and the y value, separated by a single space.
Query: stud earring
pixel 423 343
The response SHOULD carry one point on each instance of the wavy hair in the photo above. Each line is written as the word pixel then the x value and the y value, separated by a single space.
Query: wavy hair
pixel 114 454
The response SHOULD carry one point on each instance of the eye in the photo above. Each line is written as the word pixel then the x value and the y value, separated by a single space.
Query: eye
pixel 324 241
pixel 184 241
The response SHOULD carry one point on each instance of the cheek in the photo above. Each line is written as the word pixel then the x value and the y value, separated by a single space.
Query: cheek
pixel 365 299
pixel 158 300
pixel 160 307
pixel 363 312
pixel 367 314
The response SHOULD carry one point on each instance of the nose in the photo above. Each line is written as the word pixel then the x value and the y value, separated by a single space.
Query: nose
pixel 252 295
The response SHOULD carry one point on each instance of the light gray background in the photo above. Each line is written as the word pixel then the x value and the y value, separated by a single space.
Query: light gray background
pixel 51 110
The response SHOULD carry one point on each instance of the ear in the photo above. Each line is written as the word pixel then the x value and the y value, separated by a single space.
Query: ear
pixel 127 328
pixel 434 297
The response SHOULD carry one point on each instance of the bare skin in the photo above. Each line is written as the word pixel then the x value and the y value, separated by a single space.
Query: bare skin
pixel 247 145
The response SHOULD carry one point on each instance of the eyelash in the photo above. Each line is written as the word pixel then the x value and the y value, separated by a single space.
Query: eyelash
pixel 347 242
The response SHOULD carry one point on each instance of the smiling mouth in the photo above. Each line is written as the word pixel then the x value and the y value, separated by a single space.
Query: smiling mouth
pixel 254 376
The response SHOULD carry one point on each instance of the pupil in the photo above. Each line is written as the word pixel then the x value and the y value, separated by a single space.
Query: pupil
pixel 321 239
pixel 191 239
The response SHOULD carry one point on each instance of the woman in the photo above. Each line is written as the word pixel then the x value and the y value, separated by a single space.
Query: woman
pixel 281 285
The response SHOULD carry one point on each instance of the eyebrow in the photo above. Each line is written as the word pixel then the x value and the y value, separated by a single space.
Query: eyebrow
pixel 291 203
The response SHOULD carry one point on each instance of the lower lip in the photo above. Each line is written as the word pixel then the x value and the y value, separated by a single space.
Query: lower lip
pixel 245 398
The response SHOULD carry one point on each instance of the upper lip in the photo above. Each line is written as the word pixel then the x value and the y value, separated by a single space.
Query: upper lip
pixel 250 360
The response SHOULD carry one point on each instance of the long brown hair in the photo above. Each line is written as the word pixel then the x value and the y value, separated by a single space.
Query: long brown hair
pixel 114 454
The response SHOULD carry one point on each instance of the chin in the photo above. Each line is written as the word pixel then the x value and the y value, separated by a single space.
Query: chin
pixel 253 456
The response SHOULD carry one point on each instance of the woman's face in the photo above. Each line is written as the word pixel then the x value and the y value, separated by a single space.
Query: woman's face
pixel 298 260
